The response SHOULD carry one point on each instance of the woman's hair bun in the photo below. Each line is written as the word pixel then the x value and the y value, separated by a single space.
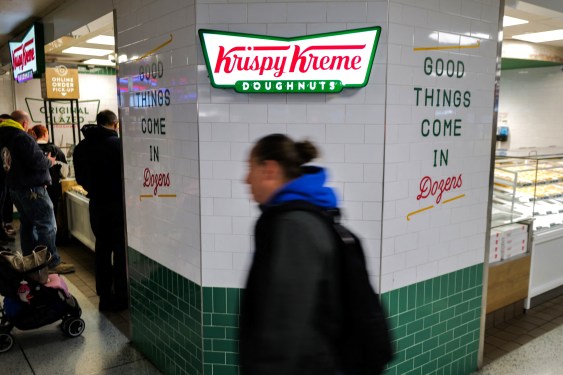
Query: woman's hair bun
pixel 306 151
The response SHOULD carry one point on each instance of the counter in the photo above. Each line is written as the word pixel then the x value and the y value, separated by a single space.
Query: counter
pixel 78 218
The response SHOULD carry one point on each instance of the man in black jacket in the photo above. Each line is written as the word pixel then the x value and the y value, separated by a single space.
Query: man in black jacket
pixel 6 205
pixel 98 168
pixel 27 175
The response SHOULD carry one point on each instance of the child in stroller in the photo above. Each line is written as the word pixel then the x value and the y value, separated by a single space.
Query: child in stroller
pixel 29 304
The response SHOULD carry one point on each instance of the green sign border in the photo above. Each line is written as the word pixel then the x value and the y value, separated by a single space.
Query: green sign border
pixel 201 33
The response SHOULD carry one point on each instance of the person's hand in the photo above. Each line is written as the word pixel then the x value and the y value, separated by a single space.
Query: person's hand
pixel 52 158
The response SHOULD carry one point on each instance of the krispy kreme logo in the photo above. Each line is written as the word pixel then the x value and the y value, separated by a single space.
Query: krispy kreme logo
pixel 24 59
pixel 314 63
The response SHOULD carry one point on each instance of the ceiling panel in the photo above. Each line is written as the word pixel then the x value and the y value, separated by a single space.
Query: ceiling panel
pixel 17 15
pixel 540 17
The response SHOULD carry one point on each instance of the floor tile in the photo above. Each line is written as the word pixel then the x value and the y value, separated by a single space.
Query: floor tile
pixel 103 348
pixel 539 356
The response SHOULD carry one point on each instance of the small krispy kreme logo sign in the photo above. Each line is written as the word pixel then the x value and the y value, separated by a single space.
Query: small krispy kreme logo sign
pixel 24 59
pixel 313 63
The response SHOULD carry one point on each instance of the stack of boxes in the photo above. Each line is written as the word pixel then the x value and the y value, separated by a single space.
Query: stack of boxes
pixel 494 247
pixel 508 241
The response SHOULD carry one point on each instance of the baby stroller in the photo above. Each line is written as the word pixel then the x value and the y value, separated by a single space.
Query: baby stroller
pixel 33 298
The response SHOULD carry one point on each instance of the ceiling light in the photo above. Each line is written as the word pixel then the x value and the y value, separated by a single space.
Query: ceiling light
pixel 87 51
pixel 103 62
pixel 103 39
pixel 455 39
pixel 544 36
pixel 512 21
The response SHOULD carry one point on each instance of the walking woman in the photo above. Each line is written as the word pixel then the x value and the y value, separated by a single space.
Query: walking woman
pixel 290 311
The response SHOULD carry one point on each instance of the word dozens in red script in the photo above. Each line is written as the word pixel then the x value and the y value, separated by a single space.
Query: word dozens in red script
pixel 156 180
pixel 430 188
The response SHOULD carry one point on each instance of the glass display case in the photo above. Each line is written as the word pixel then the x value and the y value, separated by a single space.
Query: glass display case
pixel 528 183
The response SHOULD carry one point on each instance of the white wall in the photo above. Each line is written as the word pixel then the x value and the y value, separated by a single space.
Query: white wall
pixel 209 133
pixel 348 127
pixel 163 223
pixel 428 236
pixel 530 105
pixel 97 92
pixel 6 97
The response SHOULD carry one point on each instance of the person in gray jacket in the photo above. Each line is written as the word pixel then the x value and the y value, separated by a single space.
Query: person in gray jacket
pixel 290 313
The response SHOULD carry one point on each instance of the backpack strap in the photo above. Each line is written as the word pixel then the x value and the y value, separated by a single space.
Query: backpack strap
pixel 332 215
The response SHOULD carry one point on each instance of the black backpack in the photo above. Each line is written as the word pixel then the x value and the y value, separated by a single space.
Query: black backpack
pixel 365 345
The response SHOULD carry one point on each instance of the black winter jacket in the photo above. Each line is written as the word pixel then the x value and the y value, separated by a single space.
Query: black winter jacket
pixel 24 163
pixel 58 154
pixel 289 313
pixel 97 165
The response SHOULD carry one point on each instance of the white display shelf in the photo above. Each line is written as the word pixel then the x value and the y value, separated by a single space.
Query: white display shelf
pixel 528 184
pixel 78 218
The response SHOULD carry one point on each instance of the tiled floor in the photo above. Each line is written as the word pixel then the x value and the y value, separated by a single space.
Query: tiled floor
pixel 82 257
pixel 514 333
pixel 541 356
pixel 104 348
pixel 514 344
pixel 499 341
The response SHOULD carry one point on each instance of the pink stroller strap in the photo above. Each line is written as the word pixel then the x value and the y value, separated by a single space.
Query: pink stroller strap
pixel 57 282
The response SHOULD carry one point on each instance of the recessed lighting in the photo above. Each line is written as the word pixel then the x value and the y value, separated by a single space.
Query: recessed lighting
pixel 104 62
pixel 103 39
pixel 512 21
pixel 88 51
pixel 544 36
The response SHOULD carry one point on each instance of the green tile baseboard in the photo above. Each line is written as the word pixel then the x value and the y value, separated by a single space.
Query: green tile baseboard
pixel 436 324
pixel 166 316
pixel 184 328
pixel 220 330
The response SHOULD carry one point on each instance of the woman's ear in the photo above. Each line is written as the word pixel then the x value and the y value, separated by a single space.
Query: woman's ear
pixel 271 170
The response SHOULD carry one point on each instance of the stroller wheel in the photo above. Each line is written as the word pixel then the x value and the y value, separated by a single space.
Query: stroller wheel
pixel 6 342
pixel 5 324
pixel 73 327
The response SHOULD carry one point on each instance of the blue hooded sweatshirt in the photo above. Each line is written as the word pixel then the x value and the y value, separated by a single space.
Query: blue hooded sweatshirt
pixel 308 187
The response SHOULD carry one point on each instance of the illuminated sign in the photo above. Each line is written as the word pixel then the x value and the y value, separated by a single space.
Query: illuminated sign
pixel 28 61
pixel 60 82
pixel 314 63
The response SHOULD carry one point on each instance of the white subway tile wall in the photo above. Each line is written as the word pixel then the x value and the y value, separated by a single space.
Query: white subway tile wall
pixel 357 130
pixel 162 169
pixel 348 127
pixel 431 236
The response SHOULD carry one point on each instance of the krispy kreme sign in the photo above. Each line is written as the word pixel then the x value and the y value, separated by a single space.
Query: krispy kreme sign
pixel 314 63
pixel 25 56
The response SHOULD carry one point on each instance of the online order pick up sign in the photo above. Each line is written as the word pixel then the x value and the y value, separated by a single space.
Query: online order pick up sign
pixel 307 64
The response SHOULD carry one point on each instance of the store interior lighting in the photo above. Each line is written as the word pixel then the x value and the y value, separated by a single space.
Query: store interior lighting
pixel 544 36
pixel 513 21
pixel 104 62
pixel 87 51
pixel 107 40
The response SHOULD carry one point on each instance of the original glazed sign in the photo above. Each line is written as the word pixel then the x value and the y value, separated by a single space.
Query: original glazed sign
pixel 317 63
